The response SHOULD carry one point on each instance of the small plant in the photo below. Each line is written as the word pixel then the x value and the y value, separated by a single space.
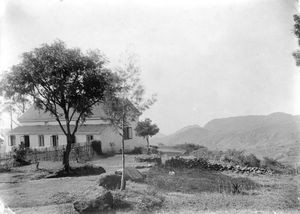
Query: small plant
pixel 236 188
pixel 97 147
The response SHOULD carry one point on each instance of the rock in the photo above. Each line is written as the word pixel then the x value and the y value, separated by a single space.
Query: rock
pixel 171 173
pixel 110 181
pixel 132 174
pixel 95 199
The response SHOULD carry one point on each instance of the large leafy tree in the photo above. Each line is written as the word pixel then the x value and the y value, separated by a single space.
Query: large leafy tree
pixel 146 130
pixel 62 81
pixel 296 54
pixel 128 104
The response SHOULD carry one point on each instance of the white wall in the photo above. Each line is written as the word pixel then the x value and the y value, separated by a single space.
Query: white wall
pixel 110 140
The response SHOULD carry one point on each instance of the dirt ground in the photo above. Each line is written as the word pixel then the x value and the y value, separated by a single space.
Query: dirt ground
pixel 24 191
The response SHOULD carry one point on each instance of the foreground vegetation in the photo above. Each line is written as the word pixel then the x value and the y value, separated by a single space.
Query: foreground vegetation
pixel 165 190
pixel 235 158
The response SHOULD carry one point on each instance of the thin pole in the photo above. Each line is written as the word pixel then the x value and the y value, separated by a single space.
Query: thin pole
pixel 11 120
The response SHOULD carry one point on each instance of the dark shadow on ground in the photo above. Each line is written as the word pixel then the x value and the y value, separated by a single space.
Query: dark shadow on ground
pixel 78 171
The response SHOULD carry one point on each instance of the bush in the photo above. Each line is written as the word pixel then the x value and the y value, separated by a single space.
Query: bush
pixel 270 163
pixel 251 161
pixel 148 158
pixel 188 147
pixel 136 151
pixel 234 157
pixel 97 147
pixel 20 155
pixel 154 150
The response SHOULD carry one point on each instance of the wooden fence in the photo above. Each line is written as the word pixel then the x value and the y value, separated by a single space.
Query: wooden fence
pixel 78 152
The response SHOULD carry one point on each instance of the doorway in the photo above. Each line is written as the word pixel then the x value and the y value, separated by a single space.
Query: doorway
pixel 26 141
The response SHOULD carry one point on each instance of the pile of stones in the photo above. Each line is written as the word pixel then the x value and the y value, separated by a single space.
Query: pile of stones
pixel 191 163
pixel 239 169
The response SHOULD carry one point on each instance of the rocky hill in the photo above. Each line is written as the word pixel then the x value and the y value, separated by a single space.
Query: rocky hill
pixel 276 135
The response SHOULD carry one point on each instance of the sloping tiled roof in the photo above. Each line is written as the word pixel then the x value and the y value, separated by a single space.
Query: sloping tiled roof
pixel 35 114
pixel 43 129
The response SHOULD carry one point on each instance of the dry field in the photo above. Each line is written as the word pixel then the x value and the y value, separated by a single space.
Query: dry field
pixel 26 191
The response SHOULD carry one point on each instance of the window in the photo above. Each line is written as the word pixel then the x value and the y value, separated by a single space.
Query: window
pixel 54 140
pixel 89 138
pixel 12 140
pixel 127 133
pixel 41 140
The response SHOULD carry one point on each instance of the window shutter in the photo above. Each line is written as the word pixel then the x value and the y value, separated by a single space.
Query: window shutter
pixel 127 133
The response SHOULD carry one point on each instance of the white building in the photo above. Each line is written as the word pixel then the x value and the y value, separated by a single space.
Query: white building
pixel 39 130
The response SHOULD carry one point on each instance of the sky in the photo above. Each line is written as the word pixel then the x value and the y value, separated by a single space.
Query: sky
pixel 203 59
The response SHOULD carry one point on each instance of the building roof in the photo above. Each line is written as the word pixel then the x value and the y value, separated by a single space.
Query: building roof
pixel 56 129
pixel 33 114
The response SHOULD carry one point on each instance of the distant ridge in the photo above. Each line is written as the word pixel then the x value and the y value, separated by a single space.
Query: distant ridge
pixel 276 135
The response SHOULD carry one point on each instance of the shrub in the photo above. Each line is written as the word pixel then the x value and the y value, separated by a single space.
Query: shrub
pixel 148 158
pixel 189 147
pixel 20 155
pixel 136 151
pixel 154 150
pixel 251 161
pixel 234 157
pixel 270 163
pixel 97 147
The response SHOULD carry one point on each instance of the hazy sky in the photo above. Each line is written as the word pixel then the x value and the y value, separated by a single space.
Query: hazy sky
pixel 205 59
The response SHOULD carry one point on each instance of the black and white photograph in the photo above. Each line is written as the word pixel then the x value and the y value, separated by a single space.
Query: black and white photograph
pixel 161 106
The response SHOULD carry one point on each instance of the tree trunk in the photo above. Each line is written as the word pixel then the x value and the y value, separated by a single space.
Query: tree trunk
pixel 123 165
pixel 148 146
pixel 66 156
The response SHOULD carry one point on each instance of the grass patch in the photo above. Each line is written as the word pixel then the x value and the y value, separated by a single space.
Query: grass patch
pixel 138 198
pixel 197 180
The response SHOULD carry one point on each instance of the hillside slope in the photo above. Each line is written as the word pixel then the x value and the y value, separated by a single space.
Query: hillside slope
pixel 276 135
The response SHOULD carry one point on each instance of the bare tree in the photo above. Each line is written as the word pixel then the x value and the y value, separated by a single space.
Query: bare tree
pixel 129 103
